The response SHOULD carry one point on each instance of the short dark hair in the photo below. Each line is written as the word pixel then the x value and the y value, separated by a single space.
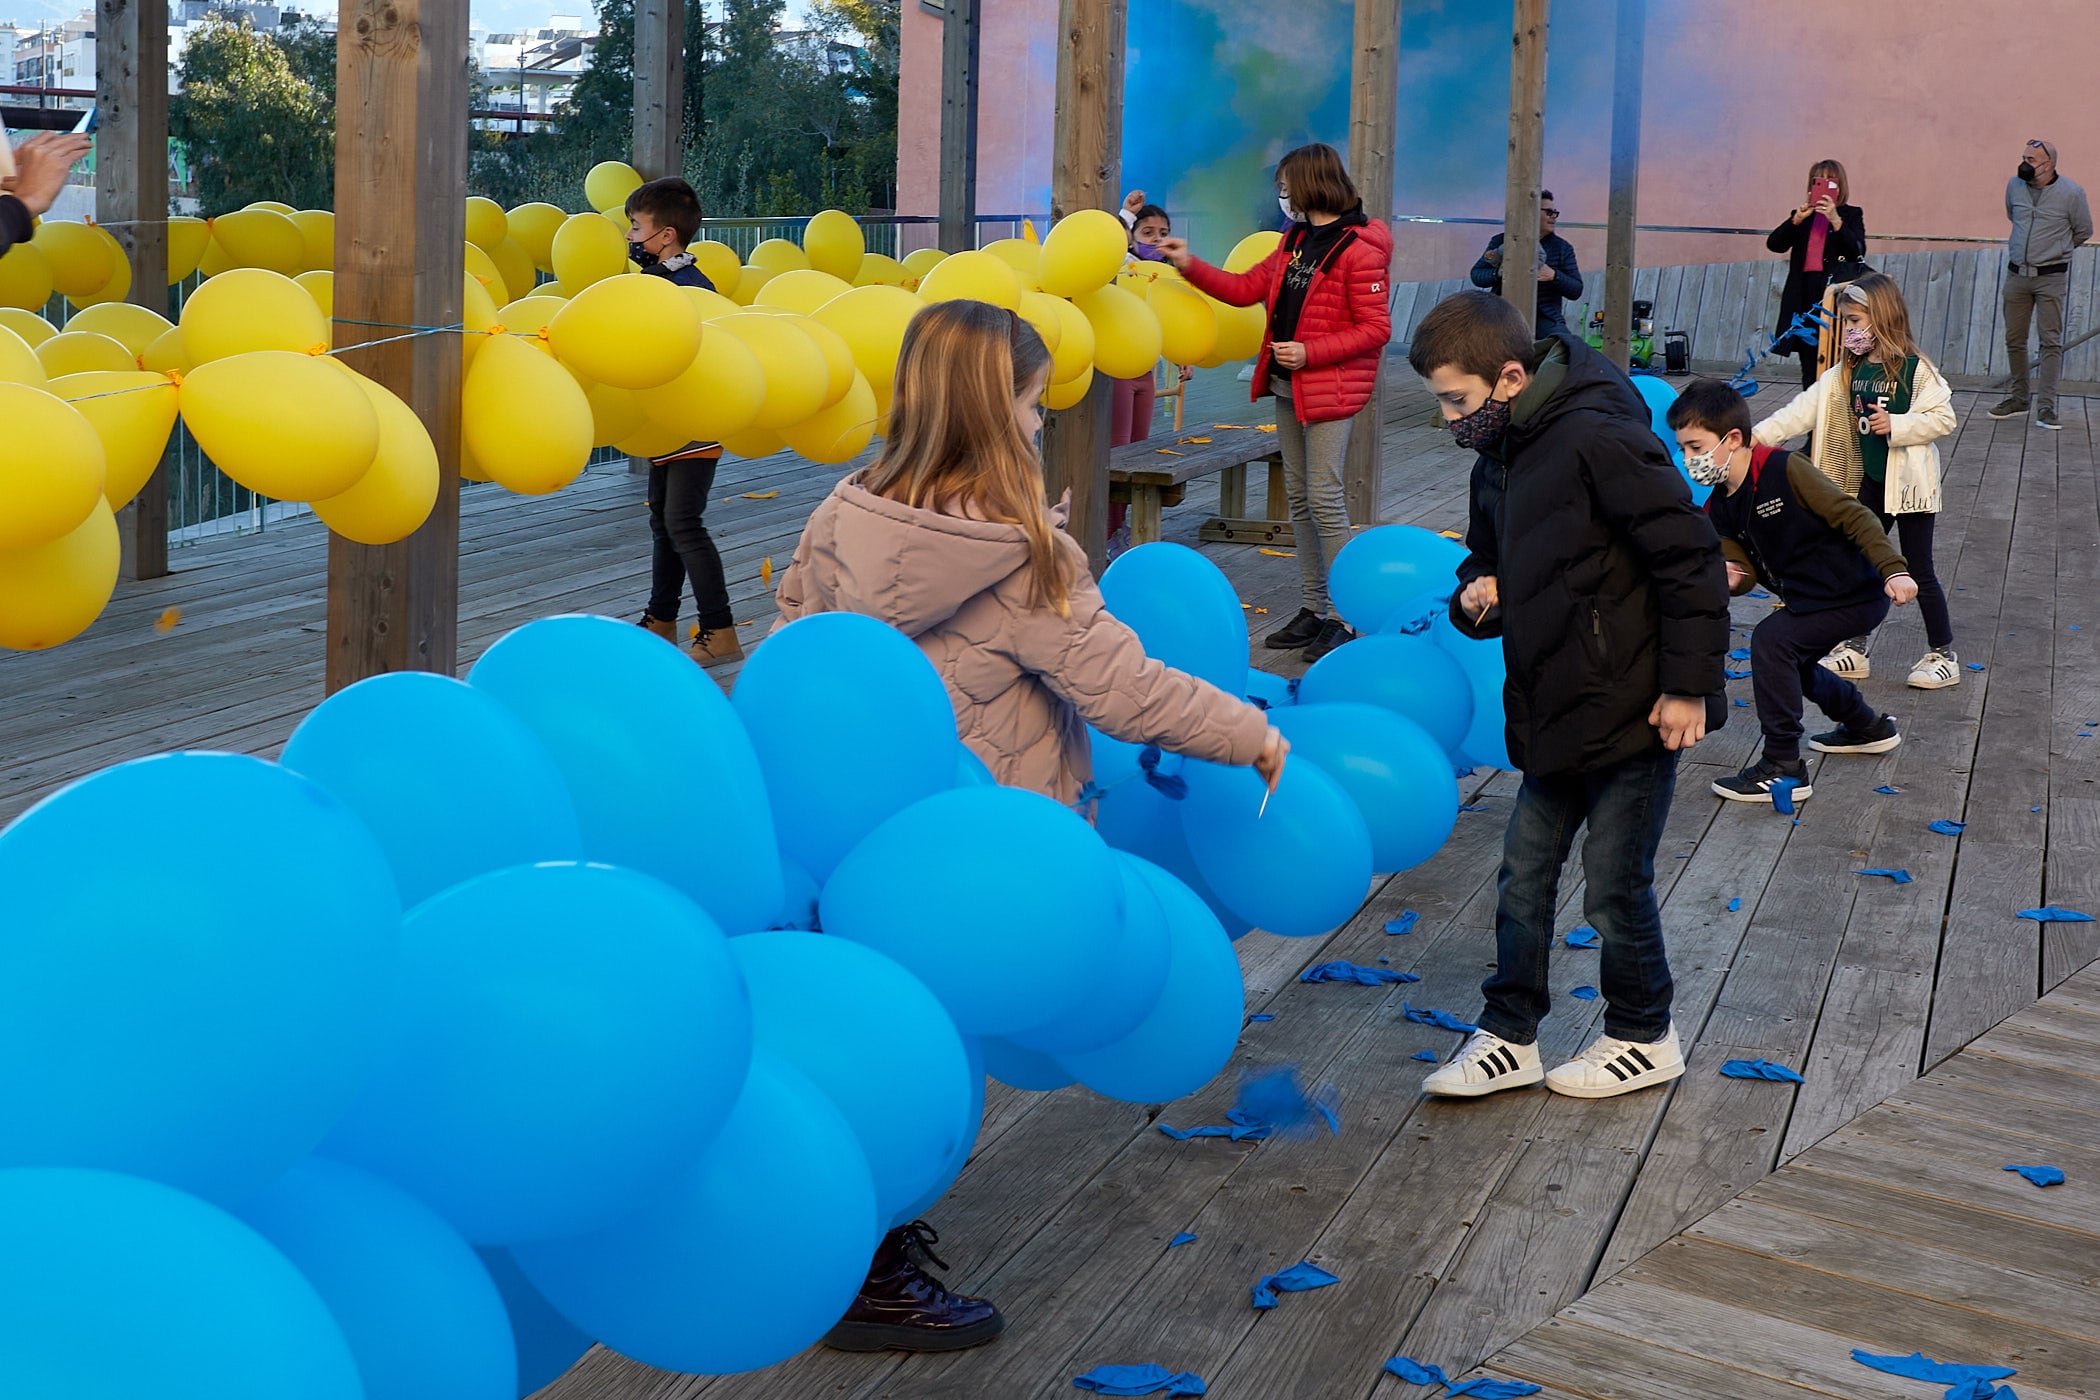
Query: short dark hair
pixel 1152 211
pixel 1473 332
pixel 1714 405
pixel 672 203
pixel 1317 180
pixel 1545 195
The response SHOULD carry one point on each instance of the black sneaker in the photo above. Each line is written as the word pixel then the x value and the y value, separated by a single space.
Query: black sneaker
pixel 1297 632
pixel 1333 633
pixel 1880 738
pixel 2012 407
pixel 2046 418
pixel 902 1307
pixel 1754 784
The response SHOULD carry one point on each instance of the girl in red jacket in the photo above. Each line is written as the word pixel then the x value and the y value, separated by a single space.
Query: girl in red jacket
pixel 1326 288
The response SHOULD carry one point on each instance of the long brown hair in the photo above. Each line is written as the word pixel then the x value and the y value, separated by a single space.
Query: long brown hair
pixel 1889 316
pixel 952 431
pixel 1317 181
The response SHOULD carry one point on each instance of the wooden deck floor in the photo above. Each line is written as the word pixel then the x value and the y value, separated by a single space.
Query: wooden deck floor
pixel 1456 1228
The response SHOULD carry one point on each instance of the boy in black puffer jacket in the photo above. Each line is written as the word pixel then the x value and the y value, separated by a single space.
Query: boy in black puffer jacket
pixel 1588 558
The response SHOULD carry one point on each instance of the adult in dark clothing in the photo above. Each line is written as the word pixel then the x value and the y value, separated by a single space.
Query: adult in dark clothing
pixel 2050 219
pixel 1558 277
pixel 1825 241
pixel 1586 556
pixel 40 164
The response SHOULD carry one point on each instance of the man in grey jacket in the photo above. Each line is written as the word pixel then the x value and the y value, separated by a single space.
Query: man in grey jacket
pixel 2050 218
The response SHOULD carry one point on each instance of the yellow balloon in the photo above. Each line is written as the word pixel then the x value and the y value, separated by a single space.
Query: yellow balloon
pixel 710 305
pixel 18 361
pixel 392 499
pixel 777 255
pixel 838 357
pixel 1073 354
pixel 1070 392
pixel 1188 328
pixel 972 277
pixel 1126 333
pixel 923 261
pixel 1252 249
pixel 292 427
pixel 167 353
pixel 1241 331
pixel 835 244
pixel 50 593
pixel 754 442
pixel 321 287
pixel 587 249
pixel 1083 252
pixel 261 238
pixel 487 224
pixel 250 309
pixel 277 205
pixel 616 414
pixel 873 321
pixel 469 469
pixel 133 327
pixel 653 439
pixel 719 393
pixel 801 292
pixel 519 274
pixel 216 260
pixel 132 413
pixel 118 286
pixel 797 375
pixel 1039 309
pixel 482 268
pixel 717 262
pixel 33 329
pixel 1025 258
pixel 317 237
pixel 534 225
pixel 839 433
pixel 881 270
pixel 610 182
pixel 530 317
pixel 53 471
pixel 80 262
pixel 749 283
pixel 76 352
pixel 477 313
pixel 187 240
pixel 632 331
pixel 526 420
pixel 25 278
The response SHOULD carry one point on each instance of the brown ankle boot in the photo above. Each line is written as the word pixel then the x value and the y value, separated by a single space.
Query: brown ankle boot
pixel 901 1307
pixel 716 646
pixel 667 630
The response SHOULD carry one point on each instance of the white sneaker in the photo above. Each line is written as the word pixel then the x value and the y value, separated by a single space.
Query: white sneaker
pixel 1936 670
pixel 1848 661
pixel 1486 1064
pixel 1611 1067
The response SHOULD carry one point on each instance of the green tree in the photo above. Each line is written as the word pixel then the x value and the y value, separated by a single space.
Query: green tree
pixel 254 126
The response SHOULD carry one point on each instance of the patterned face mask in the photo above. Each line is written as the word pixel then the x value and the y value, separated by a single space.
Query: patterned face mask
pixel 1858 340
pixel 1707 468
pixel 1484 426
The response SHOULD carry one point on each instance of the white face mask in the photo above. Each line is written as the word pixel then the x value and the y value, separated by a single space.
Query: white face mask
pixel 1290 211
pixel 1708 468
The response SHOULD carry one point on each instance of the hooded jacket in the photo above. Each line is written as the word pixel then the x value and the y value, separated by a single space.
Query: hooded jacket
pixel 1611 581
pixel 1025 682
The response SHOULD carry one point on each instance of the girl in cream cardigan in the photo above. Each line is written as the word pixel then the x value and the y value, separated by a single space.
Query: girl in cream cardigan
pixel 1877 415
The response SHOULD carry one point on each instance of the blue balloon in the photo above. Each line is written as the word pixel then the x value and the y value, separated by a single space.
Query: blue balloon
pixel 1386 566
pixel 421 1315
pixel 1029 1070
pixel 798 909
pixel 170 1015
pixel 1410 675
pixel 1418 614
pixel 569 1037
pixel 1004 948
pixel 1299 866
pixel 1398 777
pixel 1129 983
pixel 1272 691
pixel 1183 609
pixel 1115 762
pixel 807 697
pixel 449 779
pixel 1485 741
pixel 1142 821
pixel 662 775
pixel 1660 394
pixel 780 1209
pixel 548 1344
pixel 112 1288
pixel 952 1168
pixel 824 1005
pixel 970 770
pixel 1190 1034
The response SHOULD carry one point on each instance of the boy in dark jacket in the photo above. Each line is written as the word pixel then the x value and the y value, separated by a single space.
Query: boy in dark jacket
pixel 1823 554
pixel 1589 560
pixel 662 217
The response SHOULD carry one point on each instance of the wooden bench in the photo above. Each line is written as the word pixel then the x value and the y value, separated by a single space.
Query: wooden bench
pixel 1154 474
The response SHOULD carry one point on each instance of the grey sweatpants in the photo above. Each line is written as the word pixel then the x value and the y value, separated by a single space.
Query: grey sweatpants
pixel 1312 481
pixel 2028 300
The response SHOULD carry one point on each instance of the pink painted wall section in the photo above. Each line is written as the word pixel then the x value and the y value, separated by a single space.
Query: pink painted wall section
pixel 1016 108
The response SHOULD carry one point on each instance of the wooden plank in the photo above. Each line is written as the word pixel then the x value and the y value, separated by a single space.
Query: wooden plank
pixel 659 88
pixel 1929 313
pixel 2078 313
pixel 1605 1365
pixel 1983 311
pixel 1916 1152
pixel 1527 156
pixel 1374 128
pixel 1629 50
pixel 2073 857
pixel 959 50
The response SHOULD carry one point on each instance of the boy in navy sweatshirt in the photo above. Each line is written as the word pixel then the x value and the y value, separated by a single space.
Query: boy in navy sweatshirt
pixel 1784 523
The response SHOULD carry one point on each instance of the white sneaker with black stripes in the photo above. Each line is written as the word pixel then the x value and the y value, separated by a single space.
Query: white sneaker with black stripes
pixel 1611 1067
pixel 1486 1064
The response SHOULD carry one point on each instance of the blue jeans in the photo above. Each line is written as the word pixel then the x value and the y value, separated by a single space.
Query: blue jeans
pixel 1625 806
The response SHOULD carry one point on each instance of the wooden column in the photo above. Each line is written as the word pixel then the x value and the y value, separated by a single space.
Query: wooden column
pixel 1625 180
pixel 1527 156
pixel 1374 120
pixel 131 197
pixel 959 40
pixel 1086 166
pixel 400 199
pixel 659 88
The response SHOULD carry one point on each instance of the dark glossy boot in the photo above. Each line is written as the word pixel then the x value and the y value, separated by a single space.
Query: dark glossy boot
pixel 1297 632
pixel 902 1307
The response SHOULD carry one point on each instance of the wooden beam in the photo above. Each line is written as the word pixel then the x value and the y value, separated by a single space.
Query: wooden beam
pixel 659 88
pixel 1086 166
pixel 1527 156
pixel 400 198
pixel 1374 121
pixel 959 46
pixel 1625 180
pixel 131 200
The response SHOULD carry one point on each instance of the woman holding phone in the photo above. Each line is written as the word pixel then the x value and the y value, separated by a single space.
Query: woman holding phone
pixel 1825 240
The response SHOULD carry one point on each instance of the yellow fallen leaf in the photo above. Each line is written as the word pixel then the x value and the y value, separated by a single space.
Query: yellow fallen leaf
pixel 1242 426
pixel 1245 606
pixel 1189 441
pixel 765 571
pixel 1264 427
pixel 692 633
pixel 1261 612
pixel 760 495
pixel 167 620
pixel 1169 452
pixel 1278 554
pixel 1451 534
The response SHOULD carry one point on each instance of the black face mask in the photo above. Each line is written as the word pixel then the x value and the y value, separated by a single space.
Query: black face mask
pixel 641 255
pixel 2027 171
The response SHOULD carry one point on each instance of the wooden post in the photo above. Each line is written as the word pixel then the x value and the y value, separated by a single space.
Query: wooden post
pixel 959 41
pixel 659 88
pixel 400 198
pixel 1086 165
pixel 1527 156
pixel 131 197
pixel 1625 180
pixel 1374 119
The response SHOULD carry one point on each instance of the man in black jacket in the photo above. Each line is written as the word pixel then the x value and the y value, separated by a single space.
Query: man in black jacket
pixel 40 166
pixel 1559 278
pixel 1605 583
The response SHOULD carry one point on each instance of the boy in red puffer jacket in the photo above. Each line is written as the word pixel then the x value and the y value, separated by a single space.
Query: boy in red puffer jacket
pixel 1327 289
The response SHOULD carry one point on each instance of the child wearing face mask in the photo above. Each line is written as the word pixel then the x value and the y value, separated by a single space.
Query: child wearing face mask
pixel 1130 416
pixel 1877 415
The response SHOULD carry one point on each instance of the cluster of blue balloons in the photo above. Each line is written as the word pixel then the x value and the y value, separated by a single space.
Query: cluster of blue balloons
pixel 1659 394
pixel 492 1019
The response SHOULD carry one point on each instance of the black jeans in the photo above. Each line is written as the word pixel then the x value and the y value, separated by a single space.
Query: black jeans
pixel 678 495
pixel 1625 806
pixel 1784 651
pixel 1915 535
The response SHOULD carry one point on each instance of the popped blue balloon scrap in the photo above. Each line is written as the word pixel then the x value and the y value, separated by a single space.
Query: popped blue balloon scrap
pixel 2051 914
pixel 1485 1389
pixel 1739 654
pixel 1342 970
pixel 1415 1372
pixel 1584 993
pixel 1240 1126
pixel 1263 1016
pixel 1887 791
pixel 1946 828
pixel 1735 675
pixel 1901 877
pixel 1977 1388
pixel 1742 704
pixel 2041 1176
pixel 1783 796
pixel 1759 593
pixel 1919 1367
pixel 1429 1055
pixel 1148 1379
pixel 1583 936
pixel 1761 1069
pixel 1429 1016
pixel 1181 1239
pixel 1976 665
pixel 1735 906
pixel 1276 1098
pixel 1298 1278
pixel 1404 924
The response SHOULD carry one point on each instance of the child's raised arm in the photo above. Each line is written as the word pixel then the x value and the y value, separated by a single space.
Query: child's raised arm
pixel 1797 419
